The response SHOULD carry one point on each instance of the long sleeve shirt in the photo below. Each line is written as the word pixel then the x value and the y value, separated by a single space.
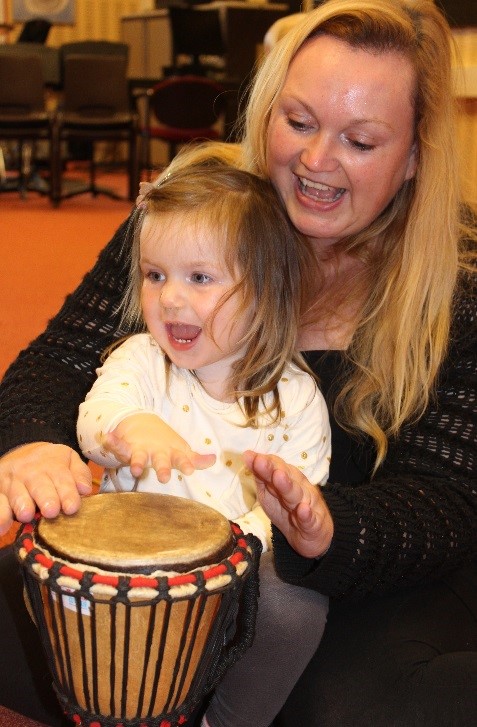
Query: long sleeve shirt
pixel 134 379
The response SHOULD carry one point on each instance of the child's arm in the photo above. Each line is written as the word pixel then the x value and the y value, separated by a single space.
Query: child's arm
pixel 302 439
pixel 304 436
pixel 144 440
pixel 117 424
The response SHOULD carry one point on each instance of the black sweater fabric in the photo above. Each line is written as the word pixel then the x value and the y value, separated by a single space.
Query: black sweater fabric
pixel 412 523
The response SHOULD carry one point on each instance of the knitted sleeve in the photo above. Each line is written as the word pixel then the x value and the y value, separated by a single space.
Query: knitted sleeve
pixel 42 389
pixel 417 518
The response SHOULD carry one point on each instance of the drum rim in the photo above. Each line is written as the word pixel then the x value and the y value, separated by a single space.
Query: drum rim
pixel 43 566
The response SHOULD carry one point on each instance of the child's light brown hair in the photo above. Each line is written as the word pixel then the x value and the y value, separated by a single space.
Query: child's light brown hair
pixel 255 238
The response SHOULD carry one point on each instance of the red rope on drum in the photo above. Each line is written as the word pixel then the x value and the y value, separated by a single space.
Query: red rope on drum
pixel 140 581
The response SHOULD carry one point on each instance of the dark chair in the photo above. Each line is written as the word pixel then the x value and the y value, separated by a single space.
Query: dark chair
pixel 182 109
pixel 196 34
pixel 93 47
pixel 23 116
pixel 35 31
pixel 50 59
pixel 83 150
pixel 95 108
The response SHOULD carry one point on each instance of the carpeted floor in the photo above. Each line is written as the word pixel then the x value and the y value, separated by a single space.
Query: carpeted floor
pixel 44 254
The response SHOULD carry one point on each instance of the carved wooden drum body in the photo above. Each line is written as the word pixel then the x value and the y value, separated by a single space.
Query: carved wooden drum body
pixel 142 602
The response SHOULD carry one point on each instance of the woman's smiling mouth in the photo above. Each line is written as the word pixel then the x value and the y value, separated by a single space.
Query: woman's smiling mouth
pixel 318 191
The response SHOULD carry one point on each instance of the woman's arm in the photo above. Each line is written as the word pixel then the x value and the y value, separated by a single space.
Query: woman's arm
pixel 417 519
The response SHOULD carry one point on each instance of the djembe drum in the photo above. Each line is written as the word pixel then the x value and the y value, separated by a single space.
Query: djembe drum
pixel 142 602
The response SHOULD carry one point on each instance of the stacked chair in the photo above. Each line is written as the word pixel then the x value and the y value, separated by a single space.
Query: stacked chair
pixel 24 118
pixel 95 107
pixel 183 109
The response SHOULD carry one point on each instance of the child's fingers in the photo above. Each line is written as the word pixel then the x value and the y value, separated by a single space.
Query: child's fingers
pixel 139 460
pixel 162 467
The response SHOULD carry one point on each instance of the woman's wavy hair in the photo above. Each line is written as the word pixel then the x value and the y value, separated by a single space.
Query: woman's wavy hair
pixel 414 248
pixel 269 261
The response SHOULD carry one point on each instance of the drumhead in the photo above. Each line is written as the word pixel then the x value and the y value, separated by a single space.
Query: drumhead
pixel 139 531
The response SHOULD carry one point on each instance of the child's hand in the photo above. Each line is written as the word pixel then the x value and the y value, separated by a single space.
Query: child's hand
pixel 145 440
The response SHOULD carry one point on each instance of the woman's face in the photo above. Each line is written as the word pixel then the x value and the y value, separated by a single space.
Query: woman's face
pixel 341 137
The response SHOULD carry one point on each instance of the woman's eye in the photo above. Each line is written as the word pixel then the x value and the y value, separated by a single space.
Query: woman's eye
pixel 297 124
pixel 360 145
pixel 200 278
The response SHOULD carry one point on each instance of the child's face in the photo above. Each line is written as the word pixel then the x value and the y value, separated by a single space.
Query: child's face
pixel 184 279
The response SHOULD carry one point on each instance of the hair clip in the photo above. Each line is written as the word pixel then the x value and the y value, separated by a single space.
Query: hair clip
pixel 144 189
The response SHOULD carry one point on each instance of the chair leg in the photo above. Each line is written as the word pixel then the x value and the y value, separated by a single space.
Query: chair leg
pixel 133 167
pixel 3 168
pixel 92 172
pixel 55 167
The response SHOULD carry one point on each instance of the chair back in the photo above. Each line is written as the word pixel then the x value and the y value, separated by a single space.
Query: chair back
pixel 96 85
pixel 92 48
pixel 21 85
pixel 95 47
pixel 50 58
pixel 188 102
pixel 195 33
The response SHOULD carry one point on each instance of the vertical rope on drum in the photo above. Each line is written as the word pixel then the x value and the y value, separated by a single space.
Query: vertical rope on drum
pixel 56 635
pixel 127 639
pixel 112 663
pixel 60 607
pixel 147 656
pixel 94 657
pixel 160 656
pixel 199 611
pixel 82 641
pixel 177 665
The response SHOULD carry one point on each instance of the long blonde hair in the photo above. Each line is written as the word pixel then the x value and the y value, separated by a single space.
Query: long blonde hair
pixel 412 250
pixel 267 257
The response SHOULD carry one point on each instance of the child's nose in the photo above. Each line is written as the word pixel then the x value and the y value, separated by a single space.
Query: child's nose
pixel 171 295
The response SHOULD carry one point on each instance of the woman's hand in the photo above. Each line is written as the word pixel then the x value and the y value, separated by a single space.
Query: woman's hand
pixel 145 440
pixel 44 476
pixel 294 505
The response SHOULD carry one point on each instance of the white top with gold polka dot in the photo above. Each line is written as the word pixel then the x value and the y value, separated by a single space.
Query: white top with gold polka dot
pixel 133 379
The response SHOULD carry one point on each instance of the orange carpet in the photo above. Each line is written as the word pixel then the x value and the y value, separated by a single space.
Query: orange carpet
pixel 45 252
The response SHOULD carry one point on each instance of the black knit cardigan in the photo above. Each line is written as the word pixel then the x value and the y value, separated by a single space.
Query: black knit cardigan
pixel 412 523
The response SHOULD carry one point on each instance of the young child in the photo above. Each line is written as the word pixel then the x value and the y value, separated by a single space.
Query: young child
pixel 216 281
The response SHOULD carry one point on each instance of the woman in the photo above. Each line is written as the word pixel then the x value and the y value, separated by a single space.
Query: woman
pixel 352 118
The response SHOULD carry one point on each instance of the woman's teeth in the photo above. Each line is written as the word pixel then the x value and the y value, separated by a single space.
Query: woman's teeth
pixel 318 191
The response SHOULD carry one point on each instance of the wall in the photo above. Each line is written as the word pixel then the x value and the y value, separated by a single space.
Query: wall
pixel 95 19
pixel 466 41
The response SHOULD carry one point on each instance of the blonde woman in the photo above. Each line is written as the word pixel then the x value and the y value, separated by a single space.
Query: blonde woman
pixel 352 118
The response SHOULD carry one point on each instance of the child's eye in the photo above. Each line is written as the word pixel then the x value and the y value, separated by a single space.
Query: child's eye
pixel 201 278
pixel 154 276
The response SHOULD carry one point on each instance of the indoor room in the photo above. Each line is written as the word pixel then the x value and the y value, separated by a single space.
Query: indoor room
pixel 372 169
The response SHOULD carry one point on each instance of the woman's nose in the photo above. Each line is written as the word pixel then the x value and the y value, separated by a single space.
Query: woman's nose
pixel 319 153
